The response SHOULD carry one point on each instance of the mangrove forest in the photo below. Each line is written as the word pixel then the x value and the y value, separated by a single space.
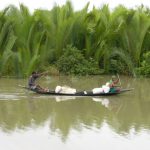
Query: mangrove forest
pixel 83 42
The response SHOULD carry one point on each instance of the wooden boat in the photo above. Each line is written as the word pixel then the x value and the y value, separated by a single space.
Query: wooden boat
pixel 82 93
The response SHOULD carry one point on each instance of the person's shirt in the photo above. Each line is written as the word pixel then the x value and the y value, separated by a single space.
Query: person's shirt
pixel 32 80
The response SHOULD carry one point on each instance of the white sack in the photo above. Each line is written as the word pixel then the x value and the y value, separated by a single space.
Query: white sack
pixel 97 90
pixel 58 89
pixel 106 89
pixel 65 89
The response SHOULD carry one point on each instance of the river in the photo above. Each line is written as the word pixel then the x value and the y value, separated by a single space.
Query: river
pixel 29 121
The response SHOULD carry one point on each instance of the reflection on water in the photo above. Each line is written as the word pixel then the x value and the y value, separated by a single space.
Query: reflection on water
pixel 66 118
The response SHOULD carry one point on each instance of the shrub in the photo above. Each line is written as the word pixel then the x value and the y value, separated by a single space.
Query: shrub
pixel 73 62
pixel 118 66
pixel 145 65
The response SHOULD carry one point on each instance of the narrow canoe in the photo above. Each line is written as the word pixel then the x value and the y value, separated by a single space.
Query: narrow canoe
pixel 82 93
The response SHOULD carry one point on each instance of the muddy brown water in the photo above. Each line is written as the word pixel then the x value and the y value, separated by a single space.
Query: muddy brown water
pixel 34 122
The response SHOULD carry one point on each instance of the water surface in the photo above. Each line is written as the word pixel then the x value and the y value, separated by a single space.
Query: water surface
pixel 34 122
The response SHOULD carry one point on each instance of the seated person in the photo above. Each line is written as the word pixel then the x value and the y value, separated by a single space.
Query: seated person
pixel 32 85
pixel 114 84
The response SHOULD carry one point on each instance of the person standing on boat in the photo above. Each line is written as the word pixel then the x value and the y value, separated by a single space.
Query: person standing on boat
pixel 32 82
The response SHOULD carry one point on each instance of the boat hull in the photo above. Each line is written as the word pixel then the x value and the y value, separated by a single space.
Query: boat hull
pixel 83 93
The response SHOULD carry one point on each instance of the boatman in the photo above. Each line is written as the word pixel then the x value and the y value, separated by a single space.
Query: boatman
pixel 32 84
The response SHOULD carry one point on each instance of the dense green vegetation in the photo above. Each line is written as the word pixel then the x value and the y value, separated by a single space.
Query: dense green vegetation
pixel 73 62
pixel 101 40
